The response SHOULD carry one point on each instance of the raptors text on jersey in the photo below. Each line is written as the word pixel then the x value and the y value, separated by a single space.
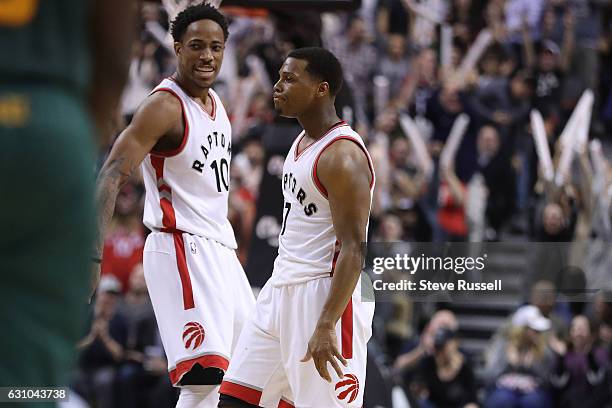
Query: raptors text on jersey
pixel 307 245
pixel 187 189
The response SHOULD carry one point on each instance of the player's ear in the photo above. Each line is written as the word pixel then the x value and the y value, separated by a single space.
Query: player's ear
pixel 323 89
pixel 177 47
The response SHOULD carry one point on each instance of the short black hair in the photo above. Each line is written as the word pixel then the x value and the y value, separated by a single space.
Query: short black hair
pixel 321 64
pixel 197 12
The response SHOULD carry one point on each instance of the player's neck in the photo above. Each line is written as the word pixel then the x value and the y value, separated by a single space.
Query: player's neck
pixel 190 88
pixel 317 124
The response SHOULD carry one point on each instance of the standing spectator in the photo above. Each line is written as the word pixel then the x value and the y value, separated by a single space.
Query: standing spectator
pixel 394 64
pixel 356 56
pixel 505 103
pixel 588 25
pixel 580 378
pixel 550 65
pixel 499 177
pixel 420 85
pixel 406 181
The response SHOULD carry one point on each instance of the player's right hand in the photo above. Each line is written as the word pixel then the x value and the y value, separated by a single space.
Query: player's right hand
pixel 96 270
pixel 322 349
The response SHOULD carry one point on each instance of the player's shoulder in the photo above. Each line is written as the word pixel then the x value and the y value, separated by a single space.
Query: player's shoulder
pixel 161 104
pixel 344 153
pixel 344 146
pixel 164 98
pixel 157 114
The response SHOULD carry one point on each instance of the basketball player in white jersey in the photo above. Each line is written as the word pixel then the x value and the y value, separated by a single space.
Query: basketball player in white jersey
pixel 306 343
pixel 181 137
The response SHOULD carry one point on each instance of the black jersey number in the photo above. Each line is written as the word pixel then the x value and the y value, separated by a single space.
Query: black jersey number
pixel 222 174
pixel 15 13
pixel 287 208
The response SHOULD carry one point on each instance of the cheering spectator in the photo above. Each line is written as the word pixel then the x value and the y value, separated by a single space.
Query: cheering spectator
pixel 521 372
pixel 418 348
pixel 550 65
pixel 447 376
pixel 580 377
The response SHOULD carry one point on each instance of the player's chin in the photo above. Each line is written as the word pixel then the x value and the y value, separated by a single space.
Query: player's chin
pixel 282 111
pixel 206 82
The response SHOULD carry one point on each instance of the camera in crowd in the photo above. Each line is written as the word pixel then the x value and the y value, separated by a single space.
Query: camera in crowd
pixel 443 336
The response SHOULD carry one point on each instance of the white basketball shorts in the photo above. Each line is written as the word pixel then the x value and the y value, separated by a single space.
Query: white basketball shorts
pixel 266 369
pixel 201 298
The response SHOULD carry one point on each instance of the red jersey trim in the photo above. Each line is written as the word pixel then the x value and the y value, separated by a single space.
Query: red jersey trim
pixel 346 324
pixel 185 132
pixel 242 392
pixel 337 247
pixel 212 115
pixel 168 214
pixel 297 146
pixel 285 404
pixel 209 360
pixel 315 177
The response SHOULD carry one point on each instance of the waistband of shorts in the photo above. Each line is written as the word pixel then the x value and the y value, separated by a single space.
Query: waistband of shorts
pixel 180 232
pixel 171 231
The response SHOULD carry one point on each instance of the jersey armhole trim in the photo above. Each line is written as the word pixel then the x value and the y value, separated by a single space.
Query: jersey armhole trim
pixel 315 177
pixel 185 132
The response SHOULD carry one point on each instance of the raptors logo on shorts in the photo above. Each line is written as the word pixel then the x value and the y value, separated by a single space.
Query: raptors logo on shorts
pixel 347 388
pixel 193 335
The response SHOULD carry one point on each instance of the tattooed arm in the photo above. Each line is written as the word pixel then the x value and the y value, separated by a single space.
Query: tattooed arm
pixel 157 123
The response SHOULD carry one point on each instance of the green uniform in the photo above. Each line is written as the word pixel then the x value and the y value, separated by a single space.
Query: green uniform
pixel 46 189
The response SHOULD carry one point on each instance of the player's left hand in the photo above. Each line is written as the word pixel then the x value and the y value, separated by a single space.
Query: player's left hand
pixel 323 348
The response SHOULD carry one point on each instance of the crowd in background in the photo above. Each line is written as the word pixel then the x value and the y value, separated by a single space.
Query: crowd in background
pixel 543 54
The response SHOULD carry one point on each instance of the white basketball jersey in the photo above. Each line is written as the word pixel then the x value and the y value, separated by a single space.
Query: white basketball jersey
pixel 187 189
pixel 307 245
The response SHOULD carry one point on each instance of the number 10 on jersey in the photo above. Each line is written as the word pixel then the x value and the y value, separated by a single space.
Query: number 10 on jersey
pixel 222 173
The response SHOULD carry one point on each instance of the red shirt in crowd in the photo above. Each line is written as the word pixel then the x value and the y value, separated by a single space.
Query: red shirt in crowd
pixel 122 252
